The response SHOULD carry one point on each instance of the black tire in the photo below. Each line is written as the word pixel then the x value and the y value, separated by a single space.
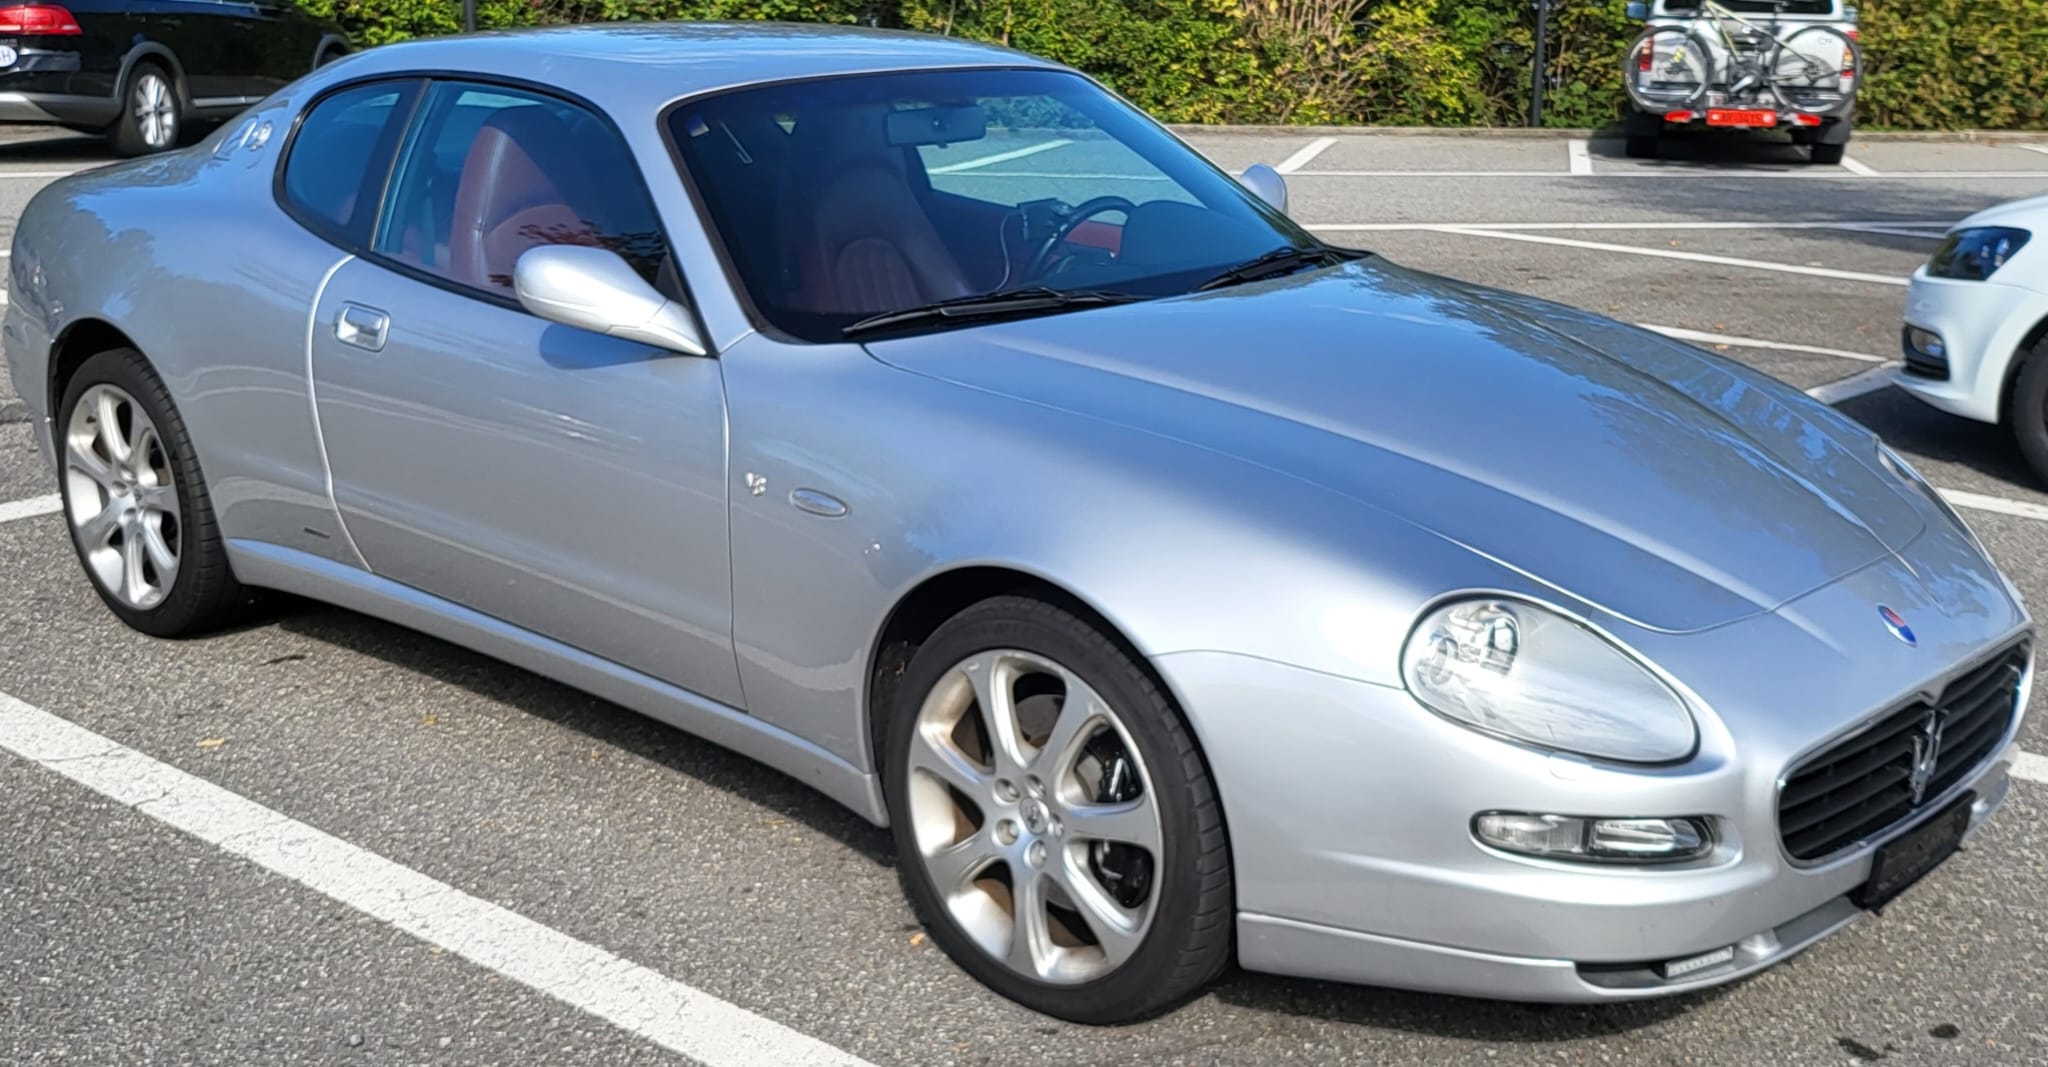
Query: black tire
pixel 152 112
pixel 1641 147
pixel 1666 69
pixel 204 594
pixel 1826 154
pixel 2027 411
pixel 1190 939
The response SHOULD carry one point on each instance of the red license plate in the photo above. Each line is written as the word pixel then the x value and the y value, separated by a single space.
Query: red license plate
pixel 1739 116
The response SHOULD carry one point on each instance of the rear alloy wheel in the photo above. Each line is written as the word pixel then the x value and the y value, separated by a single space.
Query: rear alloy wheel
pixel 1056 827
pixel 2028 412
pixel 151 117
pixel 139 514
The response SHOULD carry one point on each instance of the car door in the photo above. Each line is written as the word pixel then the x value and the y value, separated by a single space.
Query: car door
pixel 565 482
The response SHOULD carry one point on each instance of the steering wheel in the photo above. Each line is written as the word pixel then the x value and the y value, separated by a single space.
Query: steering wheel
pixel 1081 213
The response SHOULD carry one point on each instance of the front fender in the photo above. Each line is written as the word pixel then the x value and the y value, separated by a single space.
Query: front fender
pixel 1181 549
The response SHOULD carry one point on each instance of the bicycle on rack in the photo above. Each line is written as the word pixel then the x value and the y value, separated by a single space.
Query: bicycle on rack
pixel 1725 69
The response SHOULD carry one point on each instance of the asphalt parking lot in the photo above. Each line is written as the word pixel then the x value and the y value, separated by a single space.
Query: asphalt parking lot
pixel 659 865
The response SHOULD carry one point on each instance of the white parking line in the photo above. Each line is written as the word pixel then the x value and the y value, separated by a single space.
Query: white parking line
pixel 4 174
pixel 1667 253
pixel 1856 166
pixel 2043 149
pixel 1374 227
pixel 1578 156
pixel 1703 337
pixel 1308 152
pixel 1861 383
pixel 2030 767
pixel 636 999
pixel 33 506
pixel 1000 157
pixel 1896 231
pixel 1979 502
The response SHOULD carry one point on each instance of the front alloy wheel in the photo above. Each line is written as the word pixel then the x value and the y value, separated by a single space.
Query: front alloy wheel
pixel 1034 816
pixel 1057 828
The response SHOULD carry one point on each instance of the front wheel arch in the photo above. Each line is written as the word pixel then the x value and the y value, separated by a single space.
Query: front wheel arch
pixel 927 606
pixel 2029 348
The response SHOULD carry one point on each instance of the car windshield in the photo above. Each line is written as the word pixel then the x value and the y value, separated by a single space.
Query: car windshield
pixel 845 200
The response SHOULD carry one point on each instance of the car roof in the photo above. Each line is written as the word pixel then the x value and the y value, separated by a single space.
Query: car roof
pixel 644 65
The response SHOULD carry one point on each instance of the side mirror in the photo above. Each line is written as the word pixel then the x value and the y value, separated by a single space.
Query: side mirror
pixel 1638 11
pixel 593 289
pixel 1266 184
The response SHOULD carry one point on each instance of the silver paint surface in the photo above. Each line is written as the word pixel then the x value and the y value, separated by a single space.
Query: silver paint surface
pixel 1261 488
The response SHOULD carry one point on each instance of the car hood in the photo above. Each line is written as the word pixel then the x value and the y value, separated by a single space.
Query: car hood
pixel 1669 487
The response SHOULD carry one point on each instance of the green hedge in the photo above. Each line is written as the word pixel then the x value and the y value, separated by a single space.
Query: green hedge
pixel 1931 64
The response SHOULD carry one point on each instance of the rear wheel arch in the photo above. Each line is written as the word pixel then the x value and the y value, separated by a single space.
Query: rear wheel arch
pixel 79 342
pixel 162 56
pixel 330 48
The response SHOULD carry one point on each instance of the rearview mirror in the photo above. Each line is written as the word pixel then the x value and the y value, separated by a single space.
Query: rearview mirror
pixel 1266 184
pixel 594 289
pixel 1638 10
pixel 936 125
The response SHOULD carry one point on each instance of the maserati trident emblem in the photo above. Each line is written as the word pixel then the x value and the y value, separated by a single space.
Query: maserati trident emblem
pixel 1896 624
pixel 1926 753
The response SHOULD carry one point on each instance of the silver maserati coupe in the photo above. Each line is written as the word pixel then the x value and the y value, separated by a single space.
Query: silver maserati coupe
pixel 918 418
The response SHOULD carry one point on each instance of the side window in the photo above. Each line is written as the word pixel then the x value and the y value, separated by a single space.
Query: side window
pixel 340 155
pixel 490 172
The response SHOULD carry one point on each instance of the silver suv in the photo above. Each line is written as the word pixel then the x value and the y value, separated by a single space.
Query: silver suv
pixel 1737 41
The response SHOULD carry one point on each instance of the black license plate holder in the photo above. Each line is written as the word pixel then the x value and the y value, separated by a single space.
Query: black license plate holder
pixel 1906 860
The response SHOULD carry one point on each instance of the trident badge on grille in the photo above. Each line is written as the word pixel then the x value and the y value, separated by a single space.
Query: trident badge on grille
pixel 1926 753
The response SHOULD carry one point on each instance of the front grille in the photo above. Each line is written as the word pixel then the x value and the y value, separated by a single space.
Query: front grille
pixel 1864 784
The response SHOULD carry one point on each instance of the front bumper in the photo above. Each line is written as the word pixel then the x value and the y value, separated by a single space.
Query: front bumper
pixel 1310 950
pixel 1982 326
pixel 1349 805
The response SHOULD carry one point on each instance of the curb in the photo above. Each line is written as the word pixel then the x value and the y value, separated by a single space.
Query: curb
pixel 1523 133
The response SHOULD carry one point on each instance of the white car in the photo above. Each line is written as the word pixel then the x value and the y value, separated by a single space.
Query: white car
pixel 1976 333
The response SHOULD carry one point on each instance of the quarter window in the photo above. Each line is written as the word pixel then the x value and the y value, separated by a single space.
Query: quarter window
pixel 340 155
pixel 490 172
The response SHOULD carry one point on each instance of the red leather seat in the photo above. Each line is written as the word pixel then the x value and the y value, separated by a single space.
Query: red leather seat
pixel 512 196
pixel 860 242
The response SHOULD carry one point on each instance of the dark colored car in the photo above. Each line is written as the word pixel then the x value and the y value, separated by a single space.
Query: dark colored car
pixel 140 71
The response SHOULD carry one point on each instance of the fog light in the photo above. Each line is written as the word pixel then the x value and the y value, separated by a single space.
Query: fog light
pixel 1926 342
pixel 1926 353
pixel 1571 837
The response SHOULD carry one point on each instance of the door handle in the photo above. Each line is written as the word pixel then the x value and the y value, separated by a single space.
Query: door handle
pixel 363 327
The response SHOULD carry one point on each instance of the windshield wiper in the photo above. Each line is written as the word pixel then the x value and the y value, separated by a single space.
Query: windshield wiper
pixel 1282 260
pixel 989 305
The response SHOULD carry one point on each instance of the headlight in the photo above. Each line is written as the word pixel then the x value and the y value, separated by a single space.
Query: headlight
pixel 1976 253
pixel 1524 672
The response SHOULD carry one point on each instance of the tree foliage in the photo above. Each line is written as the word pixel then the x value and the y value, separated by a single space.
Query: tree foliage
pixel 1930 64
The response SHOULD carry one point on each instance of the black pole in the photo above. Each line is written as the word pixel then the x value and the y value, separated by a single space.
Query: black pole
pixel 1536 78
pixel 469 16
